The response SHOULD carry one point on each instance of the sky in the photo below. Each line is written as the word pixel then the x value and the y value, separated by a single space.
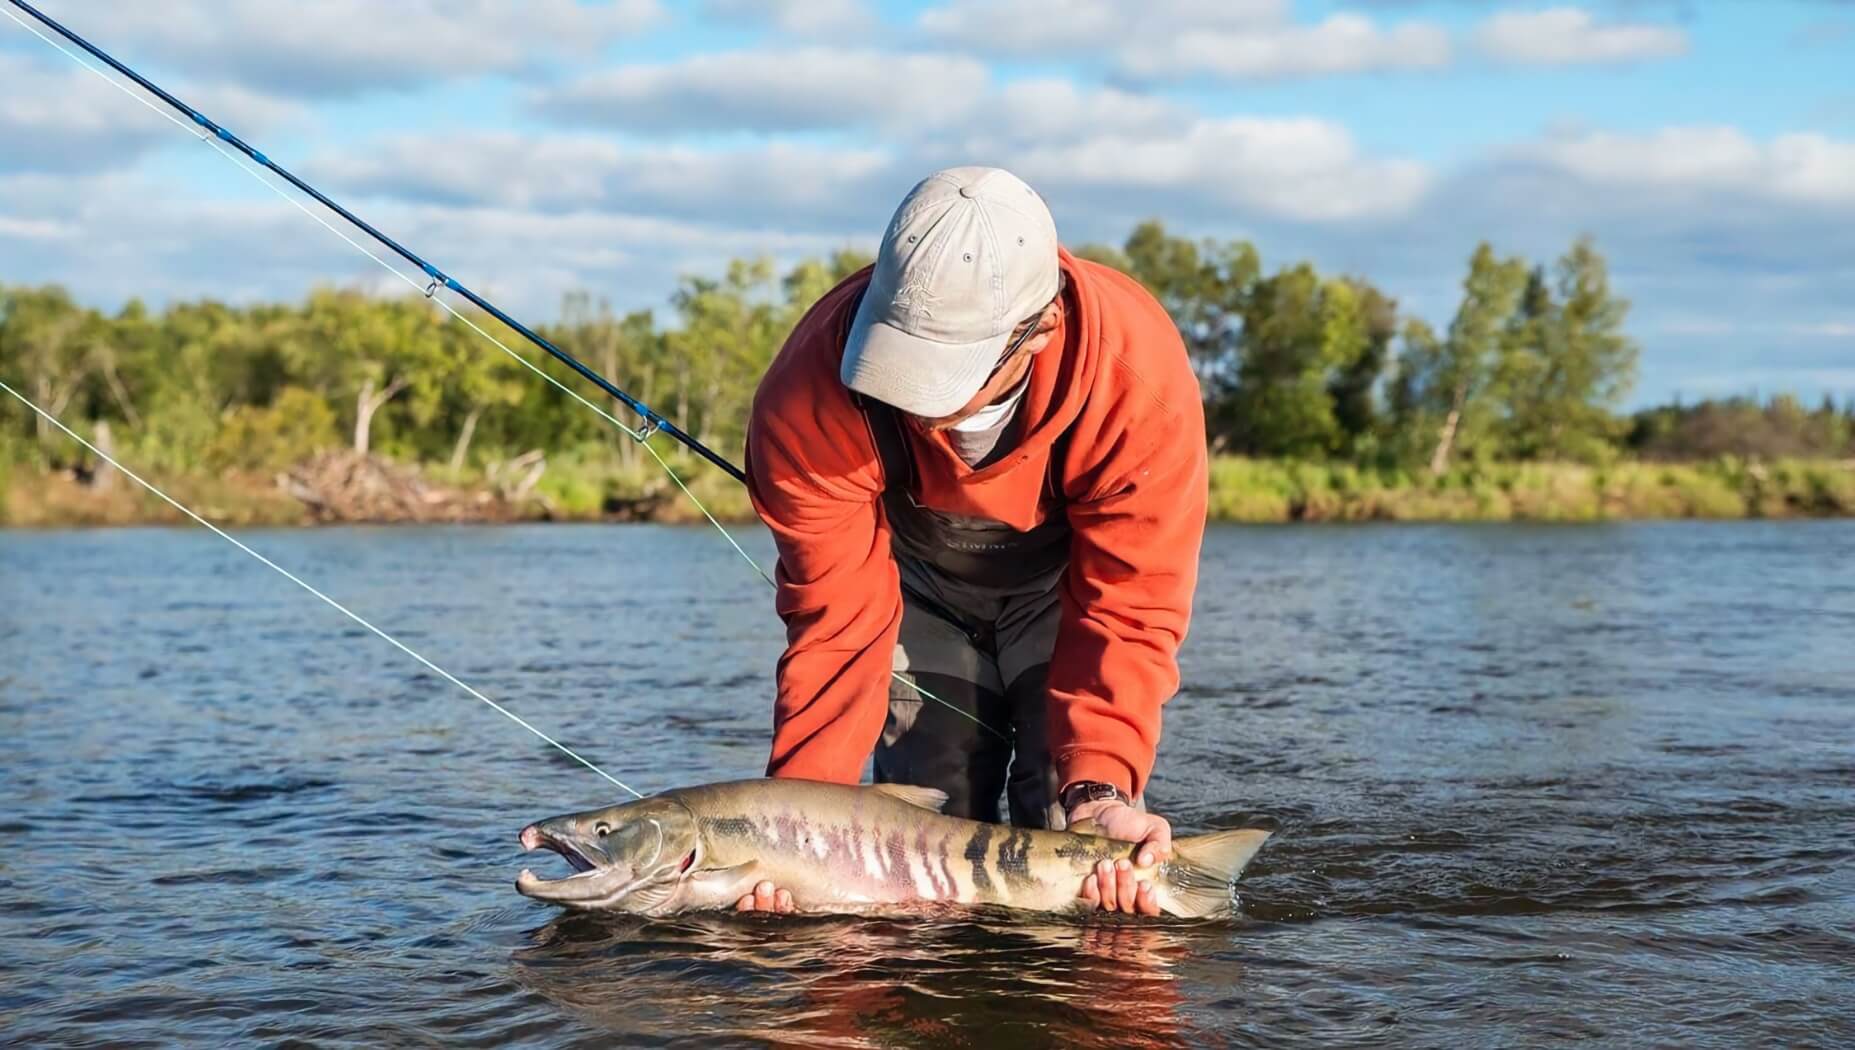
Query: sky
pixel 531 147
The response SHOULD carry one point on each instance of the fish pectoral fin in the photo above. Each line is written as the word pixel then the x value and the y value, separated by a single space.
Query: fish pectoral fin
pixel 726 884
pixel 932 799
pixel 1086 826
pixel 649 900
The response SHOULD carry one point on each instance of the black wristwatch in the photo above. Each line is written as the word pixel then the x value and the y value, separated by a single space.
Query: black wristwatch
pixel 1090 791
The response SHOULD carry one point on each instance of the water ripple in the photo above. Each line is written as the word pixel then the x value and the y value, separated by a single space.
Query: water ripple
pixel 1528 784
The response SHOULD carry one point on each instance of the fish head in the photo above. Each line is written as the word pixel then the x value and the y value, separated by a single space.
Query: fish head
pixel 631 858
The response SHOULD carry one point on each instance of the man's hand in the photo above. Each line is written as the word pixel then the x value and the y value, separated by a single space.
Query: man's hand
pixel 766 898
pixel 1112 887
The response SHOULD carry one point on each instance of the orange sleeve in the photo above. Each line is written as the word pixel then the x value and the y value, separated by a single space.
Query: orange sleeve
pixel 1127 599
pixel 814 481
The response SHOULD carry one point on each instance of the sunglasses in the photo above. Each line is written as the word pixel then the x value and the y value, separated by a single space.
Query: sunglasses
pixel 1025 329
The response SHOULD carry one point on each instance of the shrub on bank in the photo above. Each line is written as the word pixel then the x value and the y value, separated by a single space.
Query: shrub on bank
pixel 592 484
pixel 1274 491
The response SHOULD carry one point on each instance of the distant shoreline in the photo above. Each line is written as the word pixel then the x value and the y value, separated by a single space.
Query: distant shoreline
pixel 1241 491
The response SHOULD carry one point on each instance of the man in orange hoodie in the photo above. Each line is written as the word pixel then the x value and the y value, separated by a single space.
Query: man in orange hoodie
pixel 983 463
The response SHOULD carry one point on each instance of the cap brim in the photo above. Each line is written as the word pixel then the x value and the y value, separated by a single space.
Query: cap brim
pixel 916 375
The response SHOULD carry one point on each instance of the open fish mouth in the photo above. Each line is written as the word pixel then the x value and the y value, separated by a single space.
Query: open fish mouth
pixel 588 880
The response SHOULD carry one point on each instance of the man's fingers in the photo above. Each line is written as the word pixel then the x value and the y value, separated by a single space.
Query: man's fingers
pixel 1125 891
pixel 1104 877
pixel 1159 838
pixel 766 898
pixel 1113 887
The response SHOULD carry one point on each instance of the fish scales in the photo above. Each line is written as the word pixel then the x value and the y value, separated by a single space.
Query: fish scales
pixel 841 848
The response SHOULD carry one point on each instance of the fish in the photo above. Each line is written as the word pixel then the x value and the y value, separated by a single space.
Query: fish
pixel 851 849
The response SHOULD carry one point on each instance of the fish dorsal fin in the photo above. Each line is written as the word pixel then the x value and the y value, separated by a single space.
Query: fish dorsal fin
pixel 932 799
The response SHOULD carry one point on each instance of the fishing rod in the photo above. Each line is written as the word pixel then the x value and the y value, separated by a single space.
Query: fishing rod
pixel 215 134
pixel 653 421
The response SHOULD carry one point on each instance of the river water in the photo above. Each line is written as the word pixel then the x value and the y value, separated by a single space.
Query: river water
pixel 1531 785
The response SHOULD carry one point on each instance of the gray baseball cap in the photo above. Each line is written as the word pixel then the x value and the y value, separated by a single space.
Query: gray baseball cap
pixel 970 253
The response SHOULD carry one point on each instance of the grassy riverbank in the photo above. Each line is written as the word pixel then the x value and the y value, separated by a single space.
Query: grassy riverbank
pixel 1277 491
pixel 1242 490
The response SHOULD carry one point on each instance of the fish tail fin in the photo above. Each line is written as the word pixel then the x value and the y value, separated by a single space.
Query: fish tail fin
pixel 1203 869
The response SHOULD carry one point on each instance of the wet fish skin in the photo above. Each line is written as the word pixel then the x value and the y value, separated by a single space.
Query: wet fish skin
pixel 852 849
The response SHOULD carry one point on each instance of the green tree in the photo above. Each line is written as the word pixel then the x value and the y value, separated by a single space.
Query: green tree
pixel 294 427
pixel 808 282
pixel 1279 404
pixel 478 378
pixel 1533 364
pixel 44 349
pixel 1310 353
pixel 1595 367
pixel 627 350
pixel 1205 286
pixel 730 331
pixel 1443 391
pixel 373 351
pixel 1355 376
pixel 1568 364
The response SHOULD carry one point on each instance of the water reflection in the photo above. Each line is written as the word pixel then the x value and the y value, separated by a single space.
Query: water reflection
pixel 851 982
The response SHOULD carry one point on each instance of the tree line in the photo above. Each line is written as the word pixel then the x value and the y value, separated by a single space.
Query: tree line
pixel 1533 365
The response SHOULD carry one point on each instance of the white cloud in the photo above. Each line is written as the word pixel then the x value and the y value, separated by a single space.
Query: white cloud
pixel 1800 167
pixel 1040 111
pixel 795 185
pixel 33 229
pixel 1342 43
pixel 1569 35
pixel 1164 39
pixel 69 120
pixel 1725 239
pixel 803 17
pixel 1084 148
pixel 61 118
pixel 774 90
pixel 1826 329
pixel 108 246
pixel 1708 326
pixel 1031 26
pixel 1303 170
pixel 346 47
pixel 533 259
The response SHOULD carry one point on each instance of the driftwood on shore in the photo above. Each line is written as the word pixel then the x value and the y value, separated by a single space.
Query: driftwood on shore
pixel 349 486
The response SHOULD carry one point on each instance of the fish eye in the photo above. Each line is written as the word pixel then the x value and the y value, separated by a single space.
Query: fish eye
pixel 602 829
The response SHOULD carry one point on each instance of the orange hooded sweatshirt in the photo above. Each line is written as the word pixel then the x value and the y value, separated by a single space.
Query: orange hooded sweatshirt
pixel 1133 473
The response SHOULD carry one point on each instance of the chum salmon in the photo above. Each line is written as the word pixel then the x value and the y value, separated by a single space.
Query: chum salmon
pixel 854 849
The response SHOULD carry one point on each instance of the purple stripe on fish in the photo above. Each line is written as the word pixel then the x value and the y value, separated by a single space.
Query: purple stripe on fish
pixel 898 873
pixel 785 826
pixel 936 889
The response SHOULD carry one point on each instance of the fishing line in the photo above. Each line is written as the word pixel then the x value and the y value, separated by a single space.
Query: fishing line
pixel 332 603
pixel 236 150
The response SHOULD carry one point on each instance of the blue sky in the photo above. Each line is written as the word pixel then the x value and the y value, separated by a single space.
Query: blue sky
pixel 532 148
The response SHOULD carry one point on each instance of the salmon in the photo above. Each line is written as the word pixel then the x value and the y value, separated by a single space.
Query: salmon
pixel 850 849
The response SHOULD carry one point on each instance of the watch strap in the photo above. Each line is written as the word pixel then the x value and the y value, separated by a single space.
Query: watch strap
pixel 1090 791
